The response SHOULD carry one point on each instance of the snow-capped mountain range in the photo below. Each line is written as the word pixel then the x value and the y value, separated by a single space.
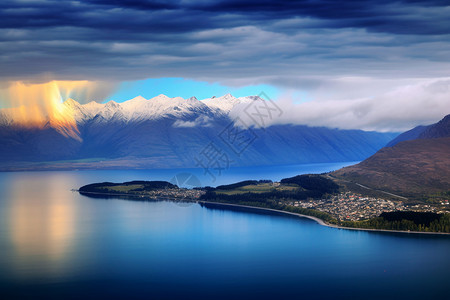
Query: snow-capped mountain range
pixel 139 108
pixel 174 132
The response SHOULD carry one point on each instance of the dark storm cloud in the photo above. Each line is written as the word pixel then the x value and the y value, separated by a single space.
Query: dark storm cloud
pixel 405 17
pixel 223 40
pixel 414 17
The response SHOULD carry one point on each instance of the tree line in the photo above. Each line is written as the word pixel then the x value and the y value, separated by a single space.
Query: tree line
pixel 412 221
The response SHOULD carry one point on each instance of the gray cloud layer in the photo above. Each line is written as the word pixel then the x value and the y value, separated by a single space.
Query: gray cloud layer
pixel 302 40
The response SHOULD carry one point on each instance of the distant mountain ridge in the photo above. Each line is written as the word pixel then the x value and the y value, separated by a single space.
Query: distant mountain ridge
pixel 165 132
pixel 438 130
pixel 416 168
pixel 409 135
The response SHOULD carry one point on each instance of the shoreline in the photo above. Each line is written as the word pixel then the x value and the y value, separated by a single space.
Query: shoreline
pixel 322 222
pixel 318 220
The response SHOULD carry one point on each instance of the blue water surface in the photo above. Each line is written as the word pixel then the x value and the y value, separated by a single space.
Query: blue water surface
pixel 57 244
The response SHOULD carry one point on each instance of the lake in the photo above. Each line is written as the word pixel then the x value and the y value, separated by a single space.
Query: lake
pixel 57 244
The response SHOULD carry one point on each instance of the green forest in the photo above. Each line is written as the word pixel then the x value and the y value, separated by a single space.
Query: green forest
pixel 300 187
pixel 407 221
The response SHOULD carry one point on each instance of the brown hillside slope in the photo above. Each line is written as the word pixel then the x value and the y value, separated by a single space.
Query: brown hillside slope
pixel 415 168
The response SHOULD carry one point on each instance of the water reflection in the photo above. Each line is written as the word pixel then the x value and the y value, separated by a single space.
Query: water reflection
pixel 41 229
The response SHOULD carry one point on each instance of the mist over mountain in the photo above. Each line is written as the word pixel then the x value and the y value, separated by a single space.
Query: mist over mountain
pixel 165 132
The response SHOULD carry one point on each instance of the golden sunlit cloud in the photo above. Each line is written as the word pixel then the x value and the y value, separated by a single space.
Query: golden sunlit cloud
pixel 40 105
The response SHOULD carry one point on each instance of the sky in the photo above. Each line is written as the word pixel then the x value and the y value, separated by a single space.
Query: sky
pixel 181 87
pixel 373 65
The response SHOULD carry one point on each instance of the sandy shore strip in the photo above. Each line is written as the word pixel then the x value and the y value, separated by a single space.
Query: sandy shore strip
pixel 321 222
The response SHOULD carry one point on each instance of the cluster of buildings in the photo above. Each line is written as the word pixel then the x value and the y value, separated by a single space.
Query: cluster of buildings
pixel 425 208
pixel 353 207
pixel 177 194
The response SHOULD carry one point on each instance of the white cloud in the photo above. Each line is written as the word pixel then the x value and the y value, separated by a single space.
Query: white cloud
pixel 202 121
pixel 399 109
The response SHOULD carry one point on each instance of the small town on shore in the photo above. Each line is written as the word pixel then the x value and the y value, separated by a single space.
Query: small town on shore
pixel 346 206
pixel 350 206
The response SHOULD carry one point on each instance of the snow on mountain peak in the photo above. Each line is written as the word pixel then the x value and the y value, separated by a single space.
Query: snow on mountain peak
pixel 92 108
pixel 92 104
pixel 71 103
pixel 226 103
pixel 160 106
pixel 160 97
pixel 138 98
pixel 112 104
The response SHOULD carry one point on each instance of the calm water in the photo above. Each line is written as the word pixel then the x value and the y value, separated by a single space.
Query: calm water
pixel 56 244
